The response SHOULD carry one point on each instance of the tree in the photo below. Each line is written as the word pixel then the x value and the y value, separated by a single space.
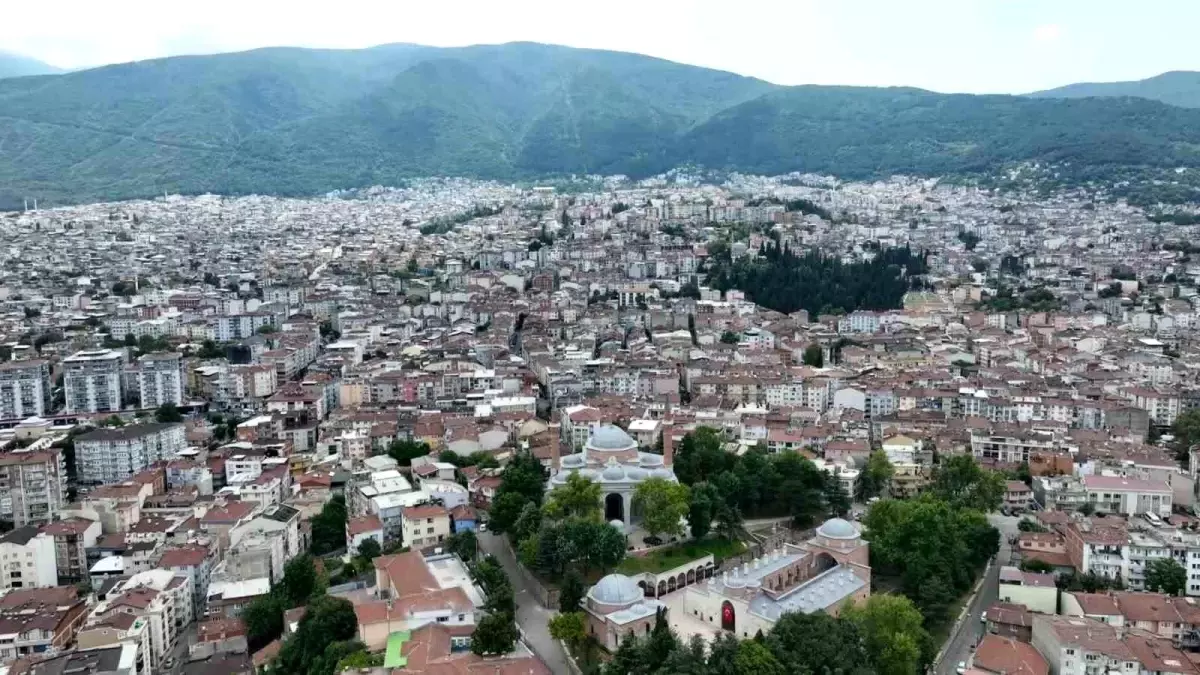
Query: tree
pixel 300 582
pixel 729 521
pixel 263 617
pixel 663 505
pixel 1035 565
pixel 369 549
pixel 809 643
pixel 326 621
pixel 836 498
pixel 494 634
pixel 1186 431
pixel 814 356
pixel 1086 508
pixel 704 502
pixel 1165 575
pixel 329 527
pixel 572 592
pixel 1028 525
pixel 168 413
pixel 405 451
pixel 876 477
pixel 730 338
pixel 570 627
pixel 962 482
pixel 701 456
pixel 893 634
pixel 579 497
pixel 463 544
pixel 753 658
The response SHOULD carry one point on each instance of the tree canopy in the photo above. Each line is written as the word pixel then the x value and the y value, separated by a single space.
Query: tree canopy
pixel 663 504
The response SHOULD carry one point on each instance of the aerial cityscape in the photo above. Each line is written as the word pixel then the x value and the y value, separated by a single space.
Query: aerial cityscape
pixel 523 359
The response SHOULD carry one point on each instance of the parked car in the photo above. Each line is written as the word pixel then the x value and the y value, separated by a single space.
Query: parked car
pixel 962 668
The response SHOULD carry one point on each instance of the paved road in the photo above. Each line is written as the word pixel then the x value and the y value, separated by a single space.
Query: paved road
pixel 533 619
pixel 960 645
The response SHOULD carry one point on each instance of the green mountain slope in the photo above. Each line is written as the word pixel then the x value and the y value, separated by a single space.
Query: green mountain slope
pixel 1180 87
pixel 298 121
pixel 16 65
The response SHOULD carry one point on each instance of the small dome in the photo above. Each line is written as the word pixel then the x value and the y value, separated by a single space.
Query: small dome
pixel 610 437
pixel 619 524
pixel 613 472
pixel 572 460
pixel 837 528
pixel 560 477
pixel 616 589
pixel 636 474
pixel 663 473
pixel 648 459
pixel 590 474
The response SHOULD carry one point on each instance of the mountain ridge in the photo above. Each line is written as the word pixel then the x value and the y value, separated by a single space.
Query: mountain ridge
pixel 1174 87
pixel 19 65
pixel 292 121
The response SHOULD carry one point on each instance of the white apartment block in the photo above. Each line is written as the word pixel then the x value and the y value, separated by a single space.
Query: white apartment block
pixel 113 455
pixel 33 486
pixel 239 326
pixel 27 559
pixel 92 380
pixel 160 379
pixel 24 389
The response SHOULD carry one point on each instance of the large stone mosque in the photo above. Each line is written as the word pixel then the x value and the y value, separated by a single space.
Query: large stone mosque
pixel 611 458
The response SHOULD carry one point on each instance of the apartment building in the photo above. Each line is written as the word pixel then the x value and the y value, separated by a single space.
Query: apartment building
pixel 1128 496
pixel 92 381
pixel 41 621
pixel 33 486
pixel 27 559
pixel 72 537
pixel 113 455
pixel 159 379
pixel 24 389
pixel 425 526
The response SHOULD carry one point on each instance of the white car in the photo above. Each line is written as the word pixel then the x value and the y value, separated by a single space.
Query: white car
pixel 962 668
pixel 983 617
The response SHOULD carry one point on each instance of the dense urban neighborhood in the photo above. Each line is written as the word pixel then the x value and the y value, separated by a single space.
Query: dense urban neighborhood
pixel 683 424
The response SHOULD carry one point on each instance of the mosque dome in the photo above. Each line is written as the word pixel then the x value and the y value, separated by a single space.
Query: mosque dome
pixel 613 472
pixel 662 473
pixel 838 528
pixel 636 474
pixel 610 437
pixel 616 589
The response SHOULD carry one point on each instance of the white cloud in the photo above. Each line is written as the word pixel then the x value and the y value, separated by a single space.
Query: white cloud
pixel 1047 32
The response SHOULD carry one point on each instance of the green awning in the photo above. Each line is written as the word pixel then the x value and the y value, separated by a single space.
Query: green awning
pixel 392 658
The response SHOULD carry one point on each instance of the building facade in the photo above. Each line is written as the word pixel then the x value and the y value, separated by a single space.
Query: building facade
pixel 92 381
pixel 24 389
pixel 112 455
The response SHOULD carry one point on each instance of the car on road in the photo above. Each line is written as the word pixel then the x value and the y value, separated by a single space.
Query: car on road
pixel 961 668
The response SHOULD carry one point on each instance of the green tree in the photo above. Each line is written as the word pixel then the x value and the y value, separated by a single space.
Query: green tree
pixel 962 482
pixel 570 627
pixel 814 356
pixel 663 505
pixel 327 620
pixel 728 522
pixel 704 503
pixel 753 658
pixel 701 456
pixel 876 477
pixel 808 643
pixel 1029 525
pixel 263 617
pixel 893 633
pixel 1035 565
pixel 301 581
pixel 369 549
pixel 168 413
pixel 572 592
pixel 329 527
pixel 730 338
pixel 494 634
pixel 836 498
pixel 405 451
pixel 1186 430
pixel 579 497
pixel 463 544
pixel 1165 575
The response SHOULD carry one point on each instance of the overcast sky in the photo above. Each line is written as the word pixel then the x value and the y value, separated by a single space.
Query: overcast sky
pixel 995 46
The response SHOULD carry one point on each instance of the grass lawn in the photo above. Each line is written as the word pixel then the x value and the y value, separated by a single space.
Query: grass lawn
pixel 671 557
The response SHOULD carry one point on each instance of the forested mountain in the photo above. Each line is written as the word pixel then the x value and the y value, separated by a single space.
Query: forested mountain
pixel 16 65
pixel 1178 87
pixel 300 121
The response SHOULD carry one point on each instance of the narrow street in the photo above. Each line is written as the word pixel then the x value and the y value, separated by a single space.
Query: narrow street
pixel 958 649
pixel 533 619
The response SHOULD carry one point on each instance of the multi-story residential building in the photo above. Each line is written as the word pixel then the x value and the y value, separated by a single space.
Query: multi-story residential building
pixel 72 537
pixel 1010 448
pixel 39 621
pixel 425 526
pixel 157 596
pixel 27 559
pixel 1128 496
pixel 92 381
pixel 33 485
pixel 240 326
pixel 24 389
pixel 159 379
pixel 112 455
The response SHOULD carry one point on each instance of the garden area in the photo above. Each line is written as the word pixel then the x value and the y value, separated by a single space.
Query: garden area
pixel 670 557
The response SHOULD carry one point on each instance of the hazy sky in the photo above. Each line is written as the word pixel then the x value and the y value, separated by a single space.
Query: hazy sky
pixel 1008 46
